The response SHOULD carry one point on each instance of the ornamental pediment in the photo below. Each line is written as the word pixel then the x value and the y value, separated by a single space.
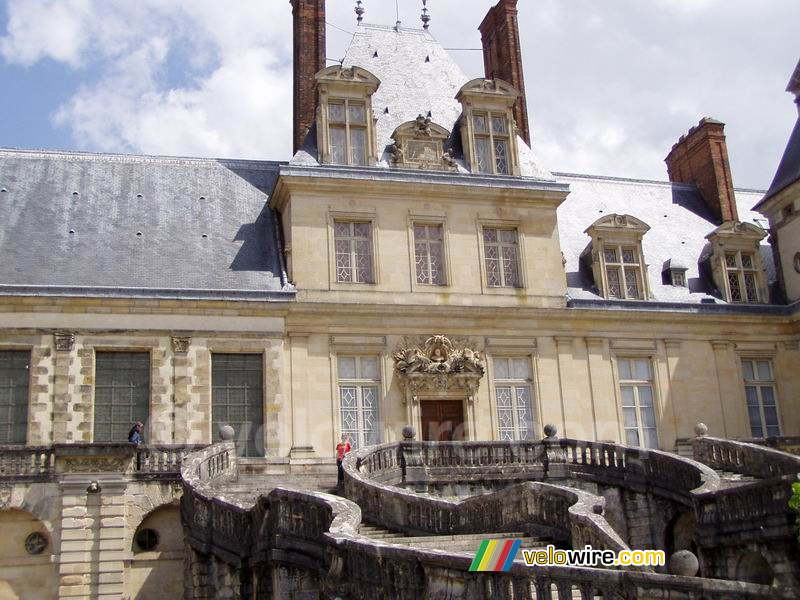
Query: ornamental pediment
pixel 420 144
pixel 438 363
pixel 618 223
pixel 352 75
pixel 488 87
pixel 738 229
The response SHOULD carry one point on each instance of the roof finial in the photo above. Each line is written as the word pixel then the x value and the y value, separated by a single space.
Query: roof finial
pixel 359 11
pixel 397 10
pixel 426 18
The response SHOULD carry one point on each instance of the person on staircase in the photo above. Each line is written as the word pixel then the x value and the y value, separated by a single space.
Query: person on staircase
pixel 342 448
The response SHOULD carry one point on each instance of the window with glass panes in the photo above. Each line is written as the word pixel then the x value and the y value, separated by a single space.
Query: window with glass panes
pixel 638 406
pixel 353 242
pixel 762 401
pixel 14 386
pixel 359 393
pixel 742 276
pixel 237 399
pixel 121 394
pixel 501 250
pixel 347 125
pixel 512 388
pixel 429 253
pixel 623 272
pixel 492 142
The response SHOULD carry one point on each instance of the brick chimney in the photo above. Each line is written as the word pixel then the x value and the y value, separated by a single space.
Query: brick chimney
pixel 502 56
pixel 309 58
pixel 701 158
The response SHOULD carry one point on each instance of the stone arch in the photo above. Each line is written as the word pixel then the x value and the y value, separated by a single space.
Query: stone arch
pixel 157 572
pixel 753 567
pixel 27 571
pixel 679 533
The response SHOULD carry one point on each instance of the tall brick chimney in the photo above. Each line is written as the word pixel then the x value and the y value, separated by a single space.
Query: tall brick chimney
pixel 502 56
pixel 701 158
pixel 309 58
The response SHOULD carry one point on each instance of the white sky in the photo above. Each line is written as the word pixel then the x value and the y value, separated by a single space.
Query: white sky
pixel 611 84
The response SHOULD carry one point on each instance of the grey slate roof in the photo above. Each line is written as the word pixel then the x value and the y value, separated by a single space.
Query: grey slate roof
pixel 789 168
pixel 678 220
pixel 417 75
pixel 121 196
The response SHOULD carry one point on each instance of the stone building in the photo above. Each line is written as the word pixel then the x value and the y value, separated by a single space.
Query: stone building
pixel 412 264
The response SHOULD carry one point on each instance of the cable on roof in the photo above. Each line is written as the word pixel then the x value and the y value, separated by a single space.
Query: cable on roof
pixel 329 24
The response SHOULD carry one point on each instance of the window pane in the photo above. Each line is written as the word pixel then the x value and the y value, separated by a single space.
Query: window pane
pixel 648 416
pixel 750 287
pixel 501 157
pixel 123 382
pixel 642 369
pixel 610 254
pixel 632 283
pixel 483 155
pixel 363 257
pixel 733 284
pixel 510 266
pixel 493 276
pixel 747 261
pixel 522 368
pixel 749 372
pixel 358 147
pixel 501 367
pixel 338 145
pixel 369 368
pixel 436 262
pixel 614 288
pixel 651 438
pixel 764 371
pixel 645 396
pixel 524 413
pixel 479 122
pixel 422 263
pixel 767 395
pixel 628 255
pixel 499 125
pixel 237 400
pixel 730 260
pixel 347 367
pixel 336 112
pixel 489 234
pixel 752 395
pixel 362 230
pixel 771 416
pixel 624 368
pixel 773 431
pixel 344 261
pixel 627 396
pixel 357 114
pixel 629 414
pixel 14 377
pixel 631 437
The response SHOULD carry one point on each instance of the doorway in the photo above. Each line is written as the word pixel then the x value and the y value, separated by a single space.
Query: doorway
pixel 443 421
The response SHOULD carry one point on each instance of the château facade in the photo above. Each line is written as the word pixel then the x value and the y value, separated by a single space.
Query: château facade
pixel 412 264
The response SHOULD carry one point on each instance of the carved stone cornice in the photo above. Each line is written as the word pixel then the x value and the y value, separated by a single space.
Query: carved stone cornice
pixel 438 365
pixel 64 341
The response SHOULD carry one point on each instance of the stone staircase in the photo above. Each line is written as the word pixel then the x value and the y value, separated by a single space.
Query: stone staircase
pixel 249 487
pixel 731 479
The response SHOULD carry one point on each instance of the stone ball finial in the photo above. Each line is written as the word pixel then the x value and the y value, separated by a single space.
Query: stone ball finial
pixel 683 563
pixel 701 430
pixel 409 433
pixel 226 433
pixel 550 430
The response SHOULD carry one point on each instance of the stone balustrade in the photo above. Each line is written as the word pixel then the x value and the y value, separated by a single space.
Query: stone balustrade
pixel 29 463
pixel 744 458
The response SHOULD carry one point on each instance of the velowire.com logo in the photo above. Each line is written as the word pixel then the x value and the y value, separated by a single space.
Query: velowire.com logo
pixel 495 555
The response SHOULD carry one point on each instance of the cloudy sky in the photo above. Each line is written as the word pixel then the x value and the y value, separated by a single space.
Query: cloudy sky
pixel 611 83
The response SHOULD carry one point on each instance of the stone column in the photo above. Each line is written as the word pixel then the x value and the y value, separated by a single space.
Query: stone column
pixel 40 418
pixel 64 343
pixel 302 446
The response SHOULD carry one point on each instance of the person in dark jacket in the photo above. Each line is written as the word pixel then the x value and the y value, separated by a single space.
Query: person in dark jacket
pixel 135 434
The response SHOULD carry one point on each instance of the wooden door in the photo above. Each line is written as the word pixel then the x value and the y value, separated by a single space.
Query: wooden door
pixel 443 420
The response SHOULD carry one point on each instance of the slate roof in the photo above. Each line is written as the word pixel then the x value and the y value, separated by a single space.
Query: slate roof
pixel 106 201
pixel 417 75
pixel 679 222
pixel 789 168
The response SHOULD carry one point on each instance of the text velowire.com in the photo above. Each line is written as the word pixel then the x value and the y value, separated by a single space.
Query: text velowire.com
pixel 588 557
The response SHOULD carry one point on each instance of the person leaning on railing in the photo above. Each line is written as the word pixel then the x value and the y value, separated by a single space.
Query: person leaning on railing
pixel 342 448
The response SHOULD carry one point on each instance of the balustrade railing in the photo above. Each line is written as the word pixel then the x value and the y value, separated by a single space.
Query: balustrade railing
pixel 744 458
pixel 27 462
pixel 161 460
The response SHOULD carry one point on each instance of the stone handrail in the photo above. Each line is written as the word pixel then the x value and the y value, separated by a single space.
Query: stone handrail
pixel 162 460
pixel 744 458
pixel 24 463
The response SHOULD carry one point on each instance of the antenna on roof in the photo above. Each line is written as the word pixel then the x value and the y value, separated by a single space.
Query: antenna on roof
pixel 359 11
pixel 397 10
pixel 426 18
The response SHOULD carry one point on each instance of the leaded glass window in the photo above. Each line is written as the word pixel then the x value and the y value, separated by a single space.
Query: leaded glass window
pixel 353 241
pixel 501 254
pixel 623 272
pixel 638 406
pixel 347 127
pixel 742 277
pixel 429 254
pixel 762 401
pixel 237 399
pixel 491 143
pixel 121 395
pixel 512 384
pixel 359 399
pixel 14 387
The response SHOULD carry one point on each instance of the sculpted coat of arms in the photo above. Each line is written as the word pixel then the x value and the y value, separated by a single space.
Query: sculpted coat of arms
pixel 439 364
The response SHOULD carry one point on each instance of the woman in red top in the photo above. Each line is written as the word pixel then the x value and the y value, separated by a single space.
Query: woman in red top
pixel 342 448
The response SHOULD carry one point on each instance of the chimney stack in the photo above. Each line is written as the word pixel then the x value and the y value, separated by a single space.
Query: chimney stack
pixel 309 58
pixel 701 158
pixel 502 56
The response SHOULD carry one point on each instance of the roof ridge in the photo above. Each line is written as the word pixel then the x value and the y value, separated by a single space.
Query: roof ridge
pixel 641 180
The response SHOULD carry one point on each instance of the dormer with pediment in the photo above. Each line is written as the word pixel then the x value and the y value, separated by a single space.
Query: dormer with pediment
pixel 345 122
pixel 488 130
pixel 617 260
pixel 736 263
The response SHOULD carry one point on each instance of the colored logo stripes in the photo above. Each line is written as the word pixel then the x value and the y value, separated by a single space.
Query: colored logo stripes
pixel 495 555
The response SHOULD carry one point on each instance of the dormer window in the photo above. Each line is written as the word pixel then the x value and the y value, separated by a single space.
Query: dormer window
pixel 618 266
pixel 488 132
pixel 419 144
pixel 345 127
pixel 736 262
pixel 674 274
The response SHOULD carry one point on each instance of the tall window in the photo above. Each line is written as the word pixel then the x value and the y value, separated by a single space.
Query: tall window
pixel 348 132
pixel 623 272
pixel 14 377
pixel 762 402
pixel 636 389
pixel 122 394
pixel 237 400
pixel 429 253
pixel 491 142
pixel 742 276
pixel 359 385
pixel 353 252
pixel 501 250
pixel 512 384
